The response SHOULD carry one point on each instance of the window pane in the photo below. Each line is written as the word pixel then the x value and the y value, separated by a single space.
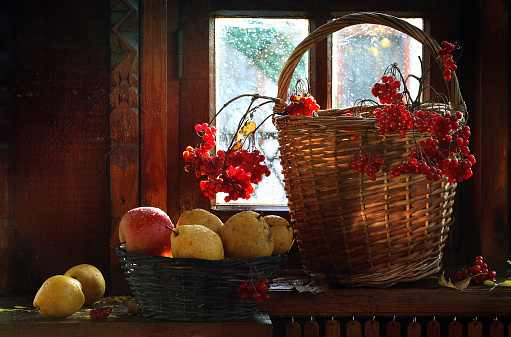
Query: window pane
pixel 249 56
pixel 360 55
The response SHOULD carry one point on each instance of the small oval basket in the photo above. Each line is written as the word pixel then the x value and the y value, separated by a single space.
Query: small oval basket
pixel 175 289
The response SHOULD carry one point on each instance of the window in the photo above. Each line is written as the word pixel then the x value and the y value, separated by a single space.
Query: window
pixel 361 53
pixel 251 52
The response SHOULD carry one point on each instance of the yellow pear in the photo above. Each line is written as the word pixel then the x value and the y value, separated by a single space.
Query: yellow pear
pixel 196 242
pixel 282 233
pixel 199 216
pixel 246 235
pixel 93 283
pixel 60 296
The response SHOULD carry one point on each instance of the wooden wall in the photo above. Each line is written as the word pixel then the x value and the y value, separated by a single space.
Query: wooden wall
pixel 59 209
pixel 93 119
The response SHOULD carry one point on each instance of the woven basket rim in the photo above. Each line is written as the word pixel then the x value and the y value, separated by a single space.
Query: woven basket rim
pixel 226 262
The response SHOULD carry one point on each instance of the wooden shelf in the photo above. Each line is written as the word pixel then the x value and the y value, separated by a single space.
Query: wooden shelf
pixel 27 322
pixel 425 298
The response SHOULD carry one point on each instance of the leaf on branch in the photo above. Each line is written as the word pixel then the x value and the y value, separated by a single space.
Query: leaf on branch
pixel 248 128
pixel 238 145
pixel 461 285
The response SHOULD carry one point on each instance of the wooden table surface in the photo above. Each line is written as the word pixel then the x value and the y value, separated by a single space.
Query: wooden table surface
pixel 425 299
pixel 18 319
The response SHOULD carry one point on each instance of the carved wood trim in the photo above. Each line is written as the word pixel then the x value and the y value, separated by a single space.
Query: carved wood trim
pixel 124 121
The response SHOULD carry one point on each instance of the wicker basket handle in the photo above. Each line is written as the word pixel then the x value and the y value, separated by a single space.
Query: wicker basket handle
pixel 322 32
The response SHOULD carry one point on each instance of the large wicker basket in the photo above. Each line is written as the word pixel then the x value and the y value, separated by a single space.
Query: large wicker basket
pixel 356 231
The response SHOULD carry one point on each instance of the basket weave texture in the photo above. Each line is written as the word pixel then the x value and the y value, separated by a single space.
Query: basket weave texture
pixel 194 290
pixel 356 231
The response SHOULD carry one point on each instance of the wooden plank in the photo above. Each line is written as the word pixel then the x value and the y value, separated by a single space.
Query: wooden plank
pixel 293 329
pixel 174 150
pixel 195 105
pixel 393 329
pixel 494 188
pixel 194 97
pixel 61 196
pixel 496 329
pixel 413 329
pixel 433 329
pixel 332 328
pixel 455 329
pixel 153 114
pixel 310 329
pixel 424 299
pixel 372 328
pixel 5 150
pixel 475 329
pixel 26 322
pixel 353 328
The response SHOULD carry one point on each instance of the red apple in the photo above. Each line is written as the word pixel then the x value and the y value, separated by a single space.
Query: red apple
pixel 143 231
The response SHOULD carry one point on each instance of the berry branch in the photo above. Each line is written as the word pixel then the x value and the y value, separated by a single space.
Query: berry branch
pixel 445 152
pixel 235 170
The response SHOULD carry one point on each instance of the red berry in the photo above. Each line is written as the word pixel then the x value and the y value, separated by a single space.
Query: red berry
pixel 242 287
pixel 263 288
pixel 107 311
pixel 475 269
pixel 256 296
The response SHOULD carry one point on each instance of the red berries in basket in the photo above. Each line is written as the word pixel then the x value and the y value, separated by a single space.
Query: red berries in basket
pixel 301 105
pixel 445 152
pixel 367 163
pixel 387 91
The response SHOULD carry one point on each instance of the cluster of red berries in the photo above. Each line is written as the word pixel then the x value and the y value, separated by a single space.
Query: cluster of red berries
pixel 208 136
pixel 100 314
pixel 478 272
pixel 257 291
pixel 387 91
pixel 367 163
pixel 433 158
pixel 233 172
pixel 240 170
pixel 394 117
pixel 301 105
pixel 414 166
pixel 445 152
pixel 447 59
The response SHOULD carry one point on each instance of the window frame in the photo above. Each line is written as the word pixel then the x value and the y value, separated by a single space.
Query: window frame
pixel 476 232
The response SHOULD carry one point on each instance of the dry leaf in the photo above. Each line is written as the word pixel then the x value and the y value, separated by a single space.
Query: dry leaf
pixel 238 145
pixel 248 128
pixel 461 285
